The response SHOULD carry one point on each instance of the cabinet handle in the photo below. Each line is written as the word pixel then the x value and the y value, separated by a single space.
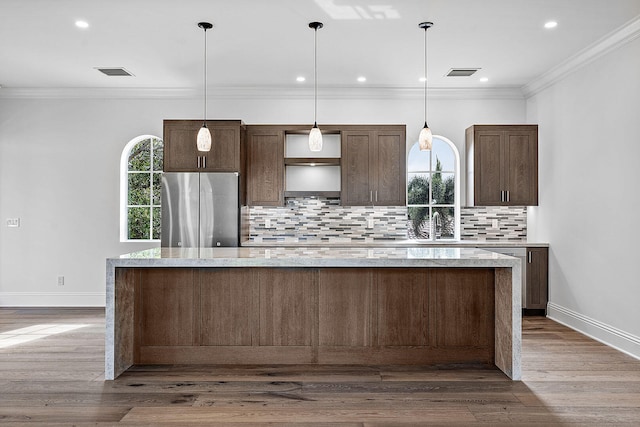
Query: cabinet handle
pixel 530 257
pixel 204 162
pixel 376 195
pixel 501 195
pixel 508 196
pixel 371 196
pixel 198 162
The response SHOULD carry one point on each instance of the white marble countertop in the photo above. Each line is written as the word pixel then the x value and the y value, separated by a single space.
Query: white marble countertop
pixel 328 256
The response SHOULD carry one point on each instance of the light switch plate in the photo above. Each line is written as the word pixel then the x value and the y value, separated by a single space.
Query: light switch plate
pixel 13 222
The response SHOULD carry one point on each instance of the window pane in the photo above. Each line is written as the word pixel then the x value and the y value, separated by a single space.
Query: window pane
pixel 418 189
pixel 138 219
pixel 140 156
pixel 442 152
pixel 157 154
pixel 156 223
pixel 418 161
pixel 418 227
pixel 157 179
pixel 139 188
pixel 444 222
pixel 443 188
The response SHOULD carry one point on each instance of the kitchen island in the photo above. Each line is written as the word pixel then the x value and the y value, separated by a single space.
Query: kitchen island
pixel 313 305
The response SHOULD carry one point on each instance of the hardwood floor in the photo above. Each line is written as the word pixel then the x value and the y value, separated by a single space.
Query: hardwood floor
pixel 568 379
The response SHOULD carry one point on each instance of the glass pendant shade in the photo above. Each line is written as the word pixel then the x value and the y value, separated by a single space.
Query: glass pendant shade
pixel 425 139
pixel 204 139
pixel 315 139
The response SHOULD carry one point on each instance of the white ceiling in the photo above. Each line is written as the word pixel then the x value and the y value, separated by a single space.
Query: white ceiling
pixel 260 43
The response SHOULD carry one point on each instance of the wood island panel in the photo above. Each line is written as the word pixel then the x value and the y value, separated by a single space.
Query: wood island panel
pixel 285 307
pixel 403 307
pixel 283 315
pixel 227 307
pixel 167 311
pixel 464 302
pixel 345 306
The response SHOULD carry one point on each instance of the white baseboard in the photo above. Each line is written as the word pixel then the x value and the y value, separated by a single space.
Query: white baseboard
pixel 52 299
pixel 613 337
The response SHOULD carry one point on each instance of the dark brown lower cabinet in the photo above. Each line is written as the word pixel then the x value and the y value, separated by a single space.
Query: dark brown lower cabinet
pixel 536 294
pixel 314 315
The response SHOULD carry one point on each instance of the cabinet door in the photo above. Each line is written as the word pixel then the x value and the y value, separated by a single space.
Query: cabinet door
pixel 225 149
pixel 356 168
pixel 181 153
pixel 389 169
pixel 265 168
pixel 536 293
pixel 521 166
pixel 488 182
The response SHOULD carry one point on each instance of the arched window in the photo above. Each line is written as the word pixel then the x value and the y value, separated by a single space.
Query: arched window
pixel 433 191
pixel 140 177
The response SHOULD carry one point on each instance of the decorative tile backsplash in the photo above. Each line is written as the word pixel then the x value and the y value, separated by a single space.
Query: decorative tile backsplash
pixel 310 220
pixel 493 223
pixel 325 220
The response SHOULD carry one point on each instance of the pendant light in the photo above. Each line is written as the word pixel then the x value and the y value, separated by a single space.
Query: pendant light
pixel 315 136
pixel 204 136
pixel 425 140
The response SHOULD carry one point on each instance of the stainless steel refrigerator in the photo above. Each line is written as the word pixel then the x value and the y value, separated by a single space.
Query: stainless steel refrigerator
pixel 200 210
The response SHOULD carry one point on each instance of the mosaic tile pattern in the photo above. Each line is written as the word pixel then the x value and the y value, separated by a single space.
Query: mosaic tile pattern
pixel 477 223
pixel 325 220
pixel 322 220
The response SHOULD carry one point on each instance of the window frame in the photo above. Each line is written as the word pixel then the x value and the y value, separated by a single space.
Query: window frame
pixel 456 180
pixel 124 188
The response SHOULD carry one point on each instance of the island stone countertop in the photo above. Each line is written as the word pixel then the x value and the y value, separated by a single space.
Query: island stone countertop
pixel 315 256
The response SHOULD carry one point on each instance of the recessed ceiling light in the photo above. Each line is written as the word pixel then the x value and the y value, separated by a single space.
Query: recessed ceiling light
pixel 551 24
pixel 82 24
pixel 362 79
pixel 484 79
pixel 300 79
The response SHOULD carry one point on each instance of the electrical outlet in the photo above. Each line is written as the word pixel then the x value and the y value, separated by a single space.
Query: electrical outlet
pixel 60 280
pixel 267 223
pixel 13 222
pixel 370 223
pixel 494 223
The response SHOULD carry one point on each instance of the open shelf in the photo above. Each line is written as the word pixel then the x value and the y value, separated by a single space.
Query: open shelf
pixel 327 194
pixel 312 161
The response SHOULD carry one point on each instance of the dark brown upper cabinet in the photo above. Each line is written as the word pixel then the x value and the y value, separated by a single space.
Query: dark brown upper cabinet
pixel 502 165
pixel 373 166
pixel 182 155
pixel 265 166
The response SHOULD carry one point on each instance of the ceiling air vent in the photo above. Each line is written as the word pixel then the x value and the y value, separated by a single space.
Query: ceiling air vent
pixel 114 72
pixel 461 72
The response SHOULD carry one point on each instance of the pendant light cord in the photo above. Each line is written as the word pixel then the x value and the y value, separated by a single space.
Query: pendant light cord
pixel 204 120
pixel 425 76
pixel 315 77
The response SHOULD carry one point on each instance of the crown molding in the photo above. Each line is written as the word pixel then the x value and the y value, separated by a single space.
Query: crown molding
pixel 612 41
pixel 262 92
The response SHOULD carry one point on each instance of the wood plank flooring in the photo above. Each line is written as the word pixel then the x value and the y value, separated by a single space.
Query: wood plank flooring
pixel 568 379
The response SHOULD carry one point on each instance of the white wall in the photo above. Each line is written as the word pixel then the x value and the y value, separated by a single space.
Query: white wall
pixel 589 196
pixel 59 173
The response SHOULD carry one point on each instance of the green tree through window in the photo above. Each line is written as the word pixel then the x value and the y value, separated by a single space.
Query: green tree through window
pixel 432 204
pixel 143 178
